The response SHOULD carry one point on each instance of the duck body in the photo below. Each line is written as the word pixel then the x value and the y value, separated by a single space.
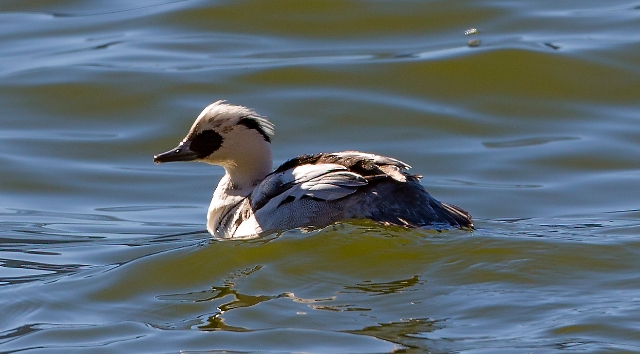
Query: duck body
pixel 307 191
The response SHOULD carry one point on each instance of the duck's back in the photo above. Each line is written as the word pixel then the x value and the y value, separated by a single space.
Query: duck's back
pixel 317 190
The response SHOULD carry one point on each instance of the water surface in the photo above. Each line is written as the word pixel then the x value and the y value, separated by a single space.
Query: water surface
pixel 533 128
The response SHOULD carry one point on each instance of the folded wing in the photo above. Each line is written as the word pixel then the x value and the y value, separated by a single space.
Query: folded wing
pixel 324 181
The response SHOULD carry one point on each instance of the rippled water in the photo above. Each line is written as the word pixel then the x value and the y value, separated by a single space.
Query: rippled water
pixel 531 124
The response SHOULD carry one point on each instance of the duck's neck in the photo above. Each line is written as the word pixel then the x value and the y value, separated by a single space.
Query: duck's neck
pixel 247 159
pixel 247 164
pixel 232 193
pixel 246 173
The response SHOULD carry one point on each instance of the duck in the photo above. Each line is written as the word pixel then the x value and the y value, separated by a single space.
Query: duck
pixel 306 192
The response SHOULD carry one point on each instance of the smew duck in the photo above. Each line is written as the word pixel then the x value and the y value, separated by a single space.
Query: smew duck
pixel 309 191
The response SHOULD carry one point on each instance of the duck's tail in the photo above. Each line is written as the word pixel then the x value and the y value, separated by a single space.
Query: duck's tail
pixel 461 217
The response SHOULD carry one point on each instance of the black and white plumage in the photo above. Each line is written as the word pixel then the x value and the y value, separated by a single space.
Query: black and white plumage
pixel 307 191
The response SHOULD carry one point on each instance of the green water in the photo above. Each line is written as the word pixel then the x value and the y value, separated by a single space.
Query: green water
pixel 535 131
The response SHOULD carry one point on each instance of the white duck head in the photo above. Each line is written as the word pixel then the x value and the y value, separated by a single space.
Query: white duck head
pixel 234 137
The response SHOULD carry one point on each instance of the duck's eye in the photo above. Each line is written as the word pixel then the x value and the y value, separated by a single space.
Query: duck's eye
pixel 177 151
pixel 205 143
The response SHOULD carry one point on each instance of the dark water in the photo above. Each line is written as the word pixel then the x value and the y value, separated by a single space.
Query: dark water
pixel 533 127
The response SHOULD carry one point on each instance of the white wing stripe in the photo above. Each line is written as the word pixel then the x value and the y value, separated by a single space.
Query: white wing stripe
pixel 308 172
pixel 324 181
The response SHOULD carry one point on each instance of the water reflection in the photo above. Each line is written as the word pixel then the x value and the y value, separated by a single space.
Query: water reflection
pixel 41 271
pixel 216 323
pixel 227 297
pixel 18 332
pixel 403 333
pixel 384 288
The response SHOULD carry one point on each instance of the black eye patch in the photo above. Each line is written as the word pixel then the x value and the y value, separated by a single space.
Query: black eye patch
pixel 205 143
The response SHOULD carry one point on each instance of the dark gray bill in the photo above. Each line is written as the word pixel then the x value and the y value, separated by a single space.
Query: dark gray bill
pixel 180 153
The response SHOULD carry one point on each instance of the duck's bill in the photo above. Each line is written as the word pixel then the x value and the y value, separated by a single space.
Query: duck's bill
pixel 180 153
